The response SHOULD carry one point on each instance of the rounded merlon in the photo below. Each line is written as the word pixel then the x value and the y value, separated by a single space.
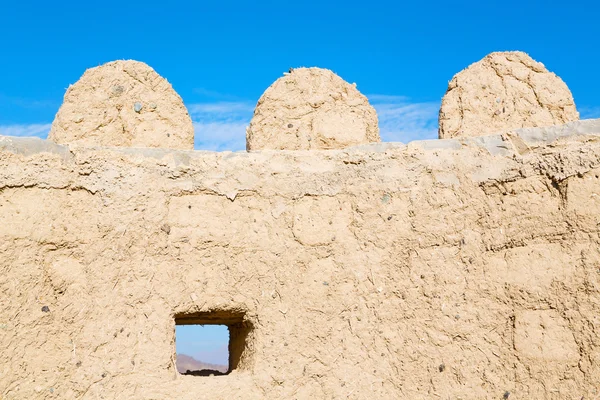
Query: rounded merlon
pixel 502 92
pixel 311 108
pixel 104 108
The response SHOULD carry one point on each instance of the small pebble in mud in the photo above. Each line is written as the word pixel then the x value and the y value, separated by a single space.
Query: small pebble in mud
pixel 390 218
pixel 117 90
pixel 46 309
pixel 506 395
pixel 290 126
pixel 442 367
pixel 137 107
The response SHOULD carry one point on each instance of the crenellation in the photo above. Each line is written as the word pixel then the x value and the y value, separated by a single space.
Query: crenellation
pixel 465 268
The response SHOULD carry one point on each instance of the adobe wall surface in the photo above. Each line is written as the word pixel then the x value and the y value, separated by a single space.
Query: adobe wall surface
pixel 438 269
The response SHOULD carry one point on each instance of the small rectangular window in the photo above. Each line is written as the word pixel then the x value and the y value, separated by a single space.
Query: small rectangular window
pixel 211 343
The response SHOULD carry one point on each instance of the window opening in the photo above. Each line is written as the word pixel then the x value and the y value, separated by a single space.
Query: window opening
pixel 211 343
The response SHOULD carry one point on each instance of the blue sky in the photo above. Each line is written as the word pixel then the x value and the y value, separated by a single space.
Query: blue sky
pixel 208 343
pixel 221 55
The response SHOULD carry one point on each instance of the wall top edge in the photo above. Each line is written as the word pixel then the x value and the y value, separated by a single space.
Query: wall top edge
pixel 505 144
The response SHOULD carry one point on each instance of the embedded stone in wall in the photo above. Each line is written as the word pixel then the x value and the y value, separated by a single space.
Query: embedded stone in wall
pixel 504 91
pixel 309 109
pixel 123 103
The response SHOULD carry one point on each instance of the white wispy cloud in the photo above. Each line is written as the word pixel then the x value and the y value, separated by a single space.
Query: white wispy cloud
pixel 38 130
pixel 221 125
pixel 587 112
pixel 222 109
pixel 220 136
pixel 215 95
pixel 402 120
pixel 387 98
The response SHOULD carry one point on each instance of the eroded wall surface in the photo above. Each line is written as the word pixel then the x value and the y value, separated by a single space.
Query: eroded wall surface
pixel 438 269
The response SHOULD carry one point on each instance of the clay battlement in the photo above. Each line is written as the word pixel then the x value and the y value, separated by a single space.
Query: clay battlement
pixel 464 267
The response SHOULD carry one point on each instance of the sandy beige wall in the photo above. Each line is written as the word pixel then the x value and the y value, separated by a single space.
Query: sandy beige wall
pixel 441 269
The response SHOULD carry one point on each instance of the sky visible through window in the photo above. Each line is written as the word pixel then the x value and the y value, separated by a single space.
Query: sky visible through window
pixel 206 343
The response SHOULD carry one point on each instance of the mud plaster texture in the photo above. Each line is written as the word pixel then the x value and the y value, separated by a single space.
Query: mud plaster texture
pixel 311 108
pixel 123 103
pixel 504 91
pixel 458 269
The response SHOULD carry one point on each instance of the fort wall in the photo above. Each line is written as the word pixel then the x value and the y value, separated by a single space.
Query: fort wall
pixel 459 268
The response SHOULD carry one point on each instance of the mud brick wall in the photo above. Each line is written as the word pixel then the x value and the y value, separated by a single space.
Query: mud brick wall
pixel 438 269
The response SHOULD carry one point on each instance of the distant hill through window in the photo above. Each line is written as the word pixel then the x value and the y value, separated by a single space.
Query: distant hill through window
pixel 202 347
